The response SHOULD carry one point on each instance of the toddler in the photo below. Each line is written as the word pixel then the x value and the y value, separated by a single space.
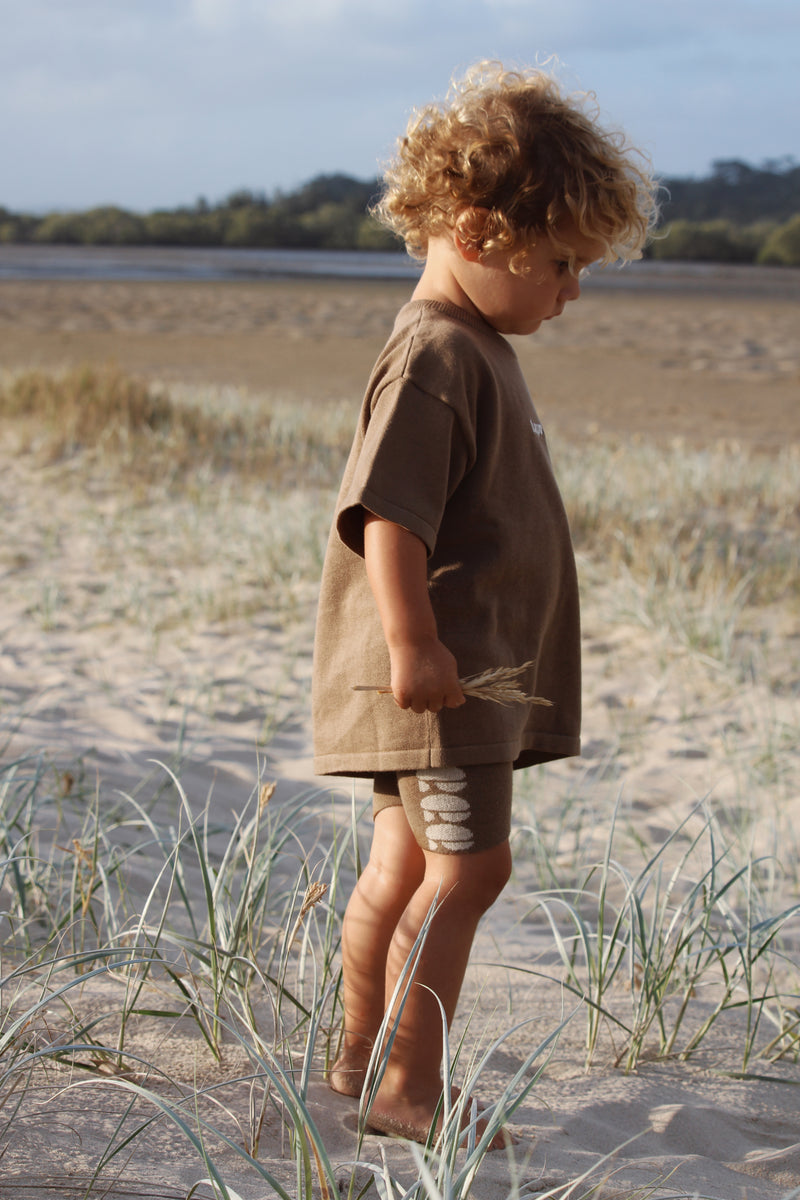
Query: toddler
pixel 450 551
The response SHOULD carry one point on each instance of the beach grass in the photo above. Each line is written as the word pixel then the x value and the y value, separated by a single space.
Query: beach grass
pixel 151 908
pixel 101 418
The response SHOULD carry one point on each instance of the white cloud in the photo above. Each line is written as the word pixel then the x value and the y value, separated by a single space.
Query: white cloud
pixel 218 15
pixel 212 14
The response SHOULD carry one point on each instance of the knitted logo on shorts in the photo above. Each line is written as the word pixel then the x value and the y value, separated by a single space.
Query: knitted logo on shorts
pixel 445 808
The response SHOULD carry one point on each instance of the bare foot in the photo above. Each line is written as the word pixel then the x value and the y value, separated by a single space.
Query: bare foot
pixel 348 1073
pixel 413 1121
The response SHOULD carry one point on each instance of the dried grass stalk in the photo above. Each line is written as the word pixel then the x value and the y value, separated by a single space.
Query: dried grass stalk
pixel 313 894
pixel 499 684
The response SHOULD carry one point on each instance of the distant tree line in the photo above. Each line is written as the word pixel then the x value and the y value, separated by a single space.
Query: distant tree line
pixel 737 213
pixel 328 213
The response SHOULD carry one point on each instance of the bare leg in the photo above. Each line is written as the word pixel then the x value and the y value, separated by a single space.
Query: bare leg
pixel 394 872
pixel 467 886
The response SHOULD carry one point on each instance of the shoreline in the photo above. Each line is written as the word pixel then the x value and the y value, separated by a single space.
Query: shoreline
pixel 224 264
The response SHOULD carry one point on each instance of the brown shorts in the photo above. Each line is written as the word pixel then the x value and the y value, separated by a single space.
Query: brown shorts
pixel 451 810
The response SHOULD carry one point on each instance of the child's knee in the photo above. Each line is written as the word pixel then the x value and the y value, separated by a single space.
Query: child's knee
pixel 474 880
pixel 495 872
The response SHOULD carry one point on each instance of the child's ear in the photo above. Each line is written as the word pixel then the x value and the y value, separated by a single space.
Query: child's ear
pixel 468 233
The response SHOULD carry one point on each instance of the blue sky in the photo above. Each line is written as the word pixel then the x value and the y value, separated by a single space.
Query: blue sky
pixel 149 103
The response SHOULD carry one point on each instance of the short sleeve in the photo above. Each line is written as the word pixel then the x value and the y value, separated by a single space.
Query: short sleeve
pixel 410 461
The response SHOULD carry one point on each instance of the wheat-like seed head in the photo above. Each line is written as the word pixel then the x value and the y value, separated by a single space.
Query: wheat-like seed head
pixel 265 795
pixel 501 684
pixel 313 894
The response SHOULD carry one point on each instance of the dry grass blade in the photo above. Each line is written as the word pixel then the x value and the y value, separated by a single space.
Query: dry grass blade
pixel 499 684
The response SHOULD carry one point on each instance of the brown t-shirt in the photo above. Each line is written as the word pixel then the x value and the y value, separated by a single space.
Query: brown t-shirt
pixel 449 446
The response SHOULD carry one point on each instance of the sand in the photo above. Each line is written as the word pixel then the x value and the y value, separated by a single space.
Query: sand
pixel 698 366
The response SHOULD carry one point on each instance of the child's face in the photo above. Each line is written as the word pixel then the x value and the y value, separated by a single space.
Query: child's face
pixel 518 303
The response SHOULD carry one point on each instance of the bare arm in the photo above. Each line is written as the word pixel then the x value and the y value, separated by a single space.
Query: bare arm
pixel 424 672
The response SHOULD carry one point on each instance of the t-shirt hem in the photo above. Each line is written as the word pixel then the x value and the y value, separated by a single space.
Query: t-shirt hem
pixel 542 749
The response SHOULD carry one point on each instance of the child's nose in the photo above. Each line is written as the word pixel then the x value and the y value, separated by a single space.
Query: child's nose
pixel 571 289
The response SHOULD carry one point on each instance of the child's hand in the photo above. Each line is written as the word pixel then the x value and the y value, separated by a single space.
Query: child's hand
pixel 425 677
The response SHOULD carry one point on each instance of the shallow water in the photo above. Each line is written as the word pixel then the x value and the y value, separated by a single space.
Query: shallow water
pixel 151 263
pixel 171 263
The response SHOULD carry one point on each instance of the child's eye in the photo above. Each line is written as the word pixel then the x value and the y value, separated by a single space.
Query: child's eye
pixel 562 267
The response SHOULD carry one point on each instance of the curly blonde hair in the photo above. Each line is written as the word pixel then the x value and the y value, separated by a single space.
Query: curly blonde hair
pixel 511 143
